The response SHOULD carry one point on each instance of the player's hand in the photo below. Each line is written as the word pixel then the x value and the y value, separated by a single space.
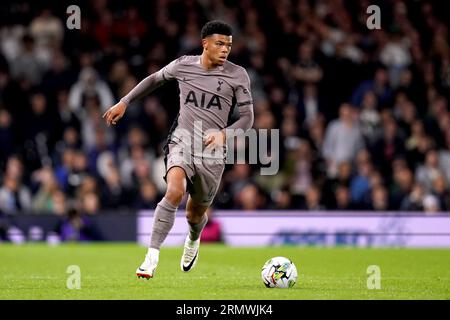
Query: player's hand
pixel 215 139
pixel 115 113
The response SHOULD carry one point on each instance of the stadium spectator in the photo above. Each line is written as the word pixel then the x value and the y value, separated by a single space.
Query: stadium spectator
pixel 78 227
pixel 378 85
pixel 360 182
pixel 380 199
pixel 89 85
pixel 313 199
pixel 28 68
pixel 250 198
pixel 414 201
pixel 343 199
pixel 147 197
pixel 343 139
pixel 330 185
pixel 42 201
pixel 47 30
pixel 14 196
pixel 113 194
pixel 425 174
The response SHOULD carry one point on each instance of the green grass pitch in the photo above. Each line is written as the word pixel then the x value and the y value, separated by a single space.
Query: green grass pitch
pixel 38 271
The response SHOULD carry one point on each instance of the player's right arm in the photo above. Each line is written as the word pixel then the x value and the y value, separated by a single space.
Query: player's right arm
pixel 143 88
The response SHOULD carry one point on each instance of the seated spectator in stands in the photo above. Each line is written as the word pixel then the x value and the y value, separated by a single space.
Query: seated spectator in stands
pixel 15 168
pixel 343 139
pixel 48 186
pixel 343 199
pixel 310 105
pixel 59 202
pixel 91 124
pixel 59 77
pixel 380 199
pixel 47 29
pixel 147 197
pixel 136 167
pixel 306 69
pixel 77 173
pixel 113 194
pixel 14 196
pixel 313 199
pixel 78 227
pixel 89 83
pixel 101 145
pixel 302 175
pixel 283 199
pixel 344 175
pixel 369 117
pixel 237 178
pixel 90 204
pixel 28 66
pixel 440 190
pixel 427 172
pixel 360 183
pixel 87 186
pixel 388 146
pixel 316 135
pixel 402 183
pixel 65 169
pixel 431 204
pixel 250 198
pixel 70 140
pixel 213 229
pixel 414 201
pixel 379 85
pixel 413 141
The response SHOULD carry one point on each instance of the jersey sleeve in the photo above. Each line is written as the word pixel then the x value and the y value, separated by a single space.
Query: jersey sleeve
pixel 242 91
pixel 171 71
pixel 153 81
pixel 244 103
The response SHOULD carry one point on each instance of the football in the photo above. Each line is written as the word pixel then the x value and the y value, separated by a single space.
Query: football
pixel 279 272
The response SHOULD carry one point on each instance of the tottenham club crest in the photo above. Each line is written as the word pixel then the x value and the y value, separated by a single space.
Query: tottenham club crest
pixel 219 82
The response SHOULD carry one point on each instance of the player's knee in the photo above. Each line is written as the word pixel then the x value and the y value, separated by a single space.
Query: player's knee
pixel 174 195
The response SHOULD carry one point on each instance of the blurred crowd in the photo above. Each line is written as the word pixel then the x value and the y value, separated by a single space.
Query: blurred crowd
pixel 363 114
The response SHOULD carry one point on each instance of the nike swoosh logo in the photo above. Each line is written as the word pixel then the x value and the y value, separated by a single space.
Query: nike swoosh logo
pixel 187 268
pixel 141 269
pixel 186 80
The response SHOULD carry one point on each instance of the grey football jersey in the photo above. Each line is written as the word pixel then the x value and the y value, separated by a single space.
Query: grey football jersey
pixel 208 95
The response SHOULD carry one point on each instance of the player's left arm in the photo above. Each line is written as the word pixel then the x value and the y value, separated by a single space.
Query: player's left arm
pixel 244 104
pixel 143 88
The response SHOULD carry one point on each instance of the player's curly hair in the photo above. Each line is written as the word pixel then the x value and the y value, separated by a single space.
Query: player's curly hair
pixel 216 27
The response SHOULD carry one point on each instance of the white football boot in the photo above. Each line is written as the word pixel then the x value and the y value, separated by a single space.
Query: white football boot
pixel 190 254
pixel 148 267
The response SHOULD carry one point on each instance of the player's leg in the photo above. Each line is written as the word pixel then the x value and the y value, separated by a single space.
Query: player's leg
pixel 197 218
pixel 164 219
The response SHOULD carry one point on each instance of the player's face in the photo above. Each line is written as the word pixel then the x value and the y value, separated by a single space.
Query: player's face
pixel 217 47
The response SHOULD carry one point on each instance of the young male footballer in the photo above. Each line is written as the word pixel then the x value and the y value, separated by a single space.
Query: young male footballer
pixel 210 87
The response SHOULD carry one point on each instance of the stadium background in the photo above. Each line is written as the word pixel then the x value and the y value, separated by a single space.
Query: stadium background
pixel 365 132
pixel 363 114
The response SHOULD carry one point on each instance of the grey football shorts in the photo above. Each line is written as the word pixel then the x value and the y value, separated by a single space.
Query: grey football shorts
pixel 203 174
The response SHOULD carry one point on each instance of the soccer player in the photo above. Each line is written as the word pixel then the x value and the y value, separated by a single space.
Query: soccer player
pixel 210 87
